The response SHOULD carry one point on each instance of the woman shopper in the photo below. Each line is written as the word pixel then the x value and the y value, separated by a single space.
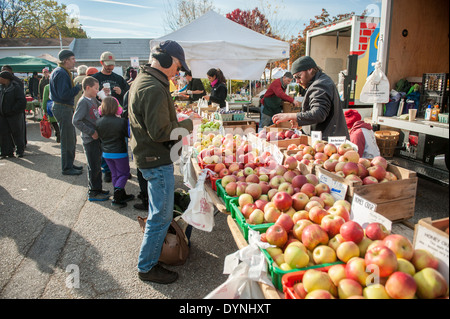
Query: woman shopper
pixel 218 87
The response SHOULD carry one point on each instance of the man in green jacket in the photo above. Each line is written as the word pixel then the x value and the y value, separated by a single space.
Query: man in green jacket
pixel 154 141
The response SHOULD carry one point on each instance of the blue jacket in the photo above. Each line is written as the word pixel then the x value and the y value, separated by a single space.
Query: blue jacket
pixel 61 89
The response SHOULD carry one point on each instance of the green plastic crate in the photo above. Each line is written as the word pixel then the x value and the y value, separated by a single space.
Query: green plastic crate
pixel 238 116
pixel 223 194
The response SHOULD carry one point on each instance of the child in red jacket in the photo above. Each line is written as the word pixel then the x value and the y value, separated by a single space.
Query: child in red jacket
pixel 361 134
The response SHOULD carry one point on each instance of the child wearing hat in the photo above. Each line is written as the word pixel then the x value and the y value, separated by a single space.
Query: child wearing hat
pixel 361 134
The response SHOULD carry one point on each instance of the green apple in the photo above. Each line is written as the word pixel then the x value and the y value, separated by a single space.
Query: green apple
pixel 318 280
pixel 296 257
pixel 405 266
pixel 375 291
pixel 430 284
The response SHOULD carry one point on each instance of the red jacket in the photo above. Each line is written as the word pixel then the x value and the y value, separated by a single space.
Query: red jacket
pixel 357 136
pixel 275 88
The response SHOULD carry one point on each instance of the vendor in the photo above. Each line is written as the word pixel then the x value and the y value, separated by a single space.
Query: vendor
pixel 361 134
pixel 194 88
pixel 271 103
pixel 218 87
pixel 321 107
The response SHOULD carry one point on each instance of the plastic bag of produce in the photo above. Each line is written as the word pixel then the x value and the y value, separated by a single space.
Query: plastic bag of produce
pixel 376 88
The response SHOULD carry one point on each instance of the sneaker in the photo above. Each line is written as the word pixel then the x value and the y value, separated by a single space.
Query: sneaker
pixel 107 177
pixel 141 206
pixel 72 172
pixel 77 167
pixel 97 197
pixel 159 275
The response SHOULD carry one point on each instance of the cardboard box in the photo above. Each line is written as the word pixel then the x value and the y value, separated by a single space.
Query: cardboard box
pixel 290 108
pixel 395 200
pixel 433 236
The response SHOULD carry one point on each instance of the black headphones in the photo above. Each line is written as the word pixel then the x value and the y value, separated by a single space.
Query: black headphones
pixel 164 58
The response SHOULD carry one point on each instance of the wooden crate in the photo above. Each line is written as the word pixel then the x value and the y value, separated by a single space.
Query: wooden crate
pixel 239 127
pixel 395 200
pixel 289 107
pixel 283 144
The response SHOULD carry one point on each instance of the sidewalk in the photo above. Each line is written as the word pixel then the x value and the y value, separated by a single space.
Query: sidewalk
pixel 49 233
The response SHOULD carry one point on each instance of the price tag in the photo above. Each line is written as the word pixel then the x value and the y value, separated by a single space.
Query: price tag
pixel 337 140
pixel 338 190
pixel 316 136
pixel 364 212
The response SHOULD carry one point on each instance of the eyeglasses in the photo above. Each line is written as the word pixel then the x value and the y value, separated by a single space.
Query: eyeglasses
pixel 297 77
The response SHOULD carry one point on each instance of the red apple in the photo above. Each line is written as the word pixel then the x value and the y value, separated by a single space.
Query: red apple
pixel 328 199
pixel 352 231
pixel 264 187
pixel 365 162
pixel 299 226
pixel 285 221
pixel 330 149
pixel 400 245
pixel 316 214
pixel 314 235
pixel 247 209
pixel 254 190
pixel 290 162
pixel 301 214
pixel 343 148
pixel 379 160
pixel 356 270
pixel 298 181
pixel 341 211
pixel 376 231
pixel 260 204
pixel 252 178
pixel 299 201
pixel 276 235
pixel 351 156
pixel 350 168
pixel 369 180
pixel 312 179
pixel 424 259
pixel 401 286
pixel 362 171
pixel 289 176
pixel 332 224
pixel 308 189
pixel 271 214
pixel 322 188
pixel 377 171
pixel 348 288
pixel 286 187
pixel 282 201
pixel 230 189
pixel 383 258
pixel 330 164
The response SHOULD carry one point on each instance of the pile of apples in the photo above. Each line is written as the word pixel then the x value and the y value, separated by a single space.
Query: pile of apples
pixel 276 135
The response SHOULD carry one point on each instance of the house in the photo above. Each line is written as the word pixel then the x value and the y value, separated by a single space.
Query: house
pixel 33 47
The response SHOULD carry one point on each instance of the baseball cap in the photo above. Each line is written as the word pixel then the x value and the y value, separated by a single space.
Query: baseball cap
pixel 175 50
pixel 108 58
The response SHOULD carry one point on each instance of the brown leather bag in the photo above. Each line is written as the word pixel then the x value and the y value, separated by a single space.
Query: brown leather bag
pixel 175 250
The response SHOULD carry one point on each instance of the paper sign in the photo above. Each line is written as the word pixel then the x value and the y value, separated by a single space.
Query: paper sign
pixel 364 212
pixel 276 153
pixel 338 190
pixel 316 136
pixel 436 244
pixel 134 62
pixel 337 140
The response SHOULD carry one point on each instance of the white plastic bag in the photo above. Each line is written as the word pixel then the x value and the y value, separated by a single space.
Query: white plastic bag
pixel 186 168
pixel 200 212
pixel 242 283
pixel 376 88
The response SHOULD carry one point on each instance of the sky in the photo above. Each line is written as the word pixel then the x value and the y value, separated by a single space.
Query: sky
pixel 146 19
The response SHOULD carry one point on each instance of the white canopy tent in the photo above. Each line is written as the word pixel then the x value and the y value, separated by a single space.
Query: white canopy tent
pixel 276 73
pixel 213 41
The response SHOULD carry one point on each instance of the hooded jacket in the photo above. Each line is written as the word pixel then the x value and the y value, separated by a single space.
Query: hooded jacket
pixel 362 135
pixel 12 99
pixel 153 119
pixel 322 109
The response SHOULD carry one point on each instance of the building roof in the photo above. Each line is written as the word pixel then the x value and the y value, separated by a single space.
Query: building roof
pixel 34 42
pixel 123 49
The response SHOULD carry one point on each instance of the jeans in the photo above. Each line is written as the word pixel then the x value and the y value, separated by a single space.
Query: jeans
pixel 63 115
pixel 93 151
pixel 161 184
pixel 266 120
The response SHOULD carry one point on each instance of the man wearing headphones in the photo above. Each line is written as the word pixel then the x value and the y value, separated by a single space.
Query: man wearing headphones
pixel 154 125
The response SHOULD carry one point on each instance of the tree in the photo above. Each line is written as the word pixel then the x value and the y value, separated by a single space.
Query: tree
pixel 252 19
pixel 37 19
pixel 181 12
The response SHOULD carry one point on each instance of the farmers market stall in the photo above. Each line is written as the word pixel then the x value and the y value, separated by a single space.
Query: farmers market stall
pixel 304 218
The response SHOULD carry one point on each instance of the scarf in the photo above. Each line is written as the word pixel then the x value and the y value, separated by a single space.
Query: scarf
pixel 213 83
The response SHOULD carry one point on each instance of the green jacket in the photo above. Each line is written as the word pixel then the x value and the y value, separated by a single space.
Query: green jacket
pixel 153 118
pixel 45 98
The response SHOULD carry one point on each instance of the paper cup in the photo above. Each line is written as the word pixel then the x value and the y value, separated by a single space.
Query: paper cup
pixel 107 85
pixel 412 114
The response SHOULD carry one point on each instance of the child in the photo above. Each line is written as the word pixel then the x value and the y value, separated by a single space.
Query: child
pixel 113 132
pixel 361 134
pixel 84 119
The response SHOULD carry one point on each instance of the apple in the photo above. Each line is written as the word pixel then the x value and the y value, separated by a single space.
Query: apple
pixel 319 294
pixel 332 224
pixel 391 176
pixel 245 199
pixel 327 198
pixel 230 189
pixel 298 181
pixel 308 150
pixel 314 235
pixel 247 209
pixel 233 167
pixel 356 270
pixel 299 290
pixel 379 160
pixel 322 188
pixel 323 254
pixel 401 285
pixel 430 284
pixel 299 226
pixel 330 149
pixel 330 164
pixel 271 215
pixel 376 231
pixel 352 178
pixel 296 257
pixel 348 288
pixel 276 235
pixel 369 180
pixel 308 189
pixel 351 156
pixel 256 217
pixel 301 214
pixel 336 241
pixel 400 245
pixel 248 171
pixel 423 259
pixel 339 210
pixel 254 190
pixel 282 201
pixel 252 178
pixel 377 171
pixel 343 148
pixel 363 246
pixel 384 258
pixel 318 280
pixel 290 162
pixel 264 187
pixel 299 201
pixel 352 231
pixel 261 203
pixel 405 266
pixel 285 221
pixel 347 250
pixel 336 273
pixel 345 203
pixel 285 267
pixel 319 147
pixel 276 181
pixel 218 167
pixel 362 171
pixel 375 291
pixel 227 179
pixel 240 188
pixel 316 214
pixel 289 176
pixel 312 179
pixel 286 187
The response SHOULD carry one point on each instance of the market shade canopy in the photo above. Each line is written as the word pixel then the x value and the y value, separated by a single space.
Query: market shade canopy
pixel 27 64
pixel 213 41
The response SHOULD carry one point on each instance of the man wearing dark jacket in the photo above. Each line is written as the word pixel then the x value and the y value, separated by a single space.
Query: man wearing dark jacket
pixel 155 131
pixel 12 107
pixel 62 93
pixel 321 108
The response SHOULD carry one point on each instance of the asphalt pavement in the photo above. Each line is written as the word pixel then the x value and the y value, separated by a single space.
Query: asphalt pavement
pixel 56 244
